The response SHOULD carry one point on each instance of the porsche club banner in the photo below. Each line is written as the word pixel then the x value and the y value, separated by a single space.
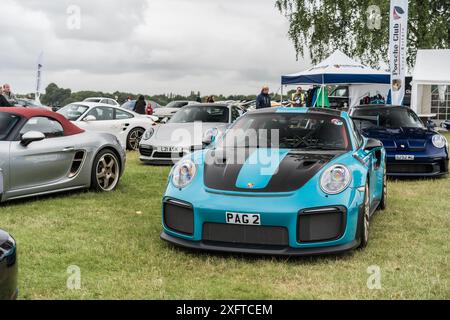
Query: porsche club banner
pixel 398 49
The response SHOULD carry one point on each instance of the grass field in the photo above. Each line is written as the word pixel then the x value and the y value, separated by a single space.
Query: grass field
pixel 114 240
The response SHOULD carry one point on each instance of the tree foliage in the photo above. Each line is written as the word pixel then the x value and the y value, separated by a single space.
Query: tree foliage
pixel 319 27
pixel 56 96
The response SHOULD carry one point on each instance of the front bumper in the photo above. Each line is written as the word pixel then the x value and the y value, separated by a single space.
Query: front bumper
pixel 419 167
pixel 288 251
pixel 285 212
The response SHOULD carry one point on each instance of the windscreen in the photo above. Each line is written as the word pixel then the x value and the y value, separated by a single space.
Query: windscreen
pixel 209 114
pixel 386 117
pixel 290 131
pixel 73 112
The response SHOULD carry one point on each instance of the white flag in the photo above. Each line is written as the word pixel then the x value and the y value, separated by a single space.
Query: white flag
pixel 398 49
pixel 39 74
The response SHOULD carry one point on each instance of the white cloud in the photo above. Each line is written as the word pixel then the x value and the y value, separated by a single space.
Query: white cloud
pixel 151 46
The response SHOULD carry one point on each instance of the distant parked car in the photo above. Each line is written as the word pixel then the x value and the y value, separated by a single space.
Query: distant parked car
pixel 8 267
pixel 109 101
pixel 169 110
pixel 127 126
pixel 446 125
pixel 28 103
pixel 150 108
pixel 159 146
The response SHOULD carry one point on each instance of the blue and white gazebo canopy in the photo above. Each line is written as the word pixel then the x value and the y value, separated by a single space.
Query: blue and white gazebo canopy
pixel 338 69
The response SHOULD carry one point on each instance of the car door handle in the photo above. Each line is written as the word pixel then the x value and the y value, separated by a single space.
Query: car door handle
pixel 68 149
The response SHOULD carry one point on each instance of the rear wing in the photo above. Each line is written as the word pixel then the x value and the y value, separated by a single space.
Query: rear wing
pixel 371 119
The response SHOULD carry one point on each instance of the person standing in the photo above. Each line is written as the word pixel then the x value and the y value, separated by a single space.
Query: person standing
pixel 263 100
pixel 140 105
pixel 298 98
pixel 210 99
pixel 3 101
pixel 8 94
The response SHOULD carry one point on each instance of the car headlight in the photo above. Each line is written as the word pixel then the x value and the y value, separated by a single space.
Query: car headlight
pixel 335 179
pixel 148 134
pixel 439 141
pixel 183 173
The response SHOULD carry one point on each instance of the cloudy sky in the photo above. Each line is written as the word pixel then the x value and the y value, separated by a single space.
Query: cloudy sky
pixel 151 46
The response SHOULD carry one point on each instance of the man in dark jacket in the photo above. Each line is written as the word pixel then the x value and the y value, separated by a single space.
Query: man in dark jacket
pixel 3 101
pixel 263 99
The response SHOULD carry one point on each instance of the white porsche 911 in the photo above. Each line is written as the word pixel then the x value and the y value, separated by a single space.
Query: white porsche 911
pixel 126 125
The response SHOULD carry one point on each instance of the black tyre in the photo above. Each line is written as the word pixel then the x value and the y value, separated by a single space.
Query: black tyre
pixel 134 138
pixel 365 223
pixel 105 171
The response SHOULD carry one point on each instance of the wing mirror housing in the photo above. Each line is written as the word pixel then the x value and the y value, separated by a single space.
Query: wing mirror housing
pixel 210 137
pixel 31 136
pixel 90 118
pixel 373 144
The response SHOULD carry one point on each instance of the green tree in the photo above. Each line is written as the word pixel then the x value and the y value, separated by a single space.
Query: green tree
pixel 322 26
pixel 55 96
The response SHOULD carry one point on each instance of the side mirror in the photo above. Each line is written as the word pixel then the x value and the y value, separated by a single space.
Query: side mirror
pixel 90 118
pixel 154 118
pixel 430 125
pixel 373 144
pixel 210 137
pixel 31 136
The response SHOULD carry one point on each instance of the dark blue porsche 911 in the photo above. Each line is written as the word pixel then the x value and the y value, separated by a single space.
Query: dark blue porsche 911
pixel 412 149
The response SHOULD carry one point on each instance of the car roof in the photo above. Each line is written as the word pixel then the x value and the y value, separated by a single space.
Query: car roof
pixel 99 98
pixel 92 104
pixel 363 106
pixel 323 111
pixel 209 105
pixel 28 113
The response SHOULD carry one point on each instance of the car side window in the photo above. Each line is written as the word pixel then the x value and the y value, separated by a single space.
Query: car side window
pixel 102 113
pixel 49 127
pixel 121 115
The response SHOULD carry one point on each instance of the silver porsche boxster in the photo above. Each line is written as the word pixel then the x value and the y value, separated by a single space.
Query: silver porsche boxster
pixel 187 131
pixel 42 152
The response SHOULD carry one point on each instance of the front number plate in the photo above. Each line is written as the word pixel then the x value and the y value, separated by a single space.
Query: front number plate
pixel 170 149
pixel 243 219
pixel 404 158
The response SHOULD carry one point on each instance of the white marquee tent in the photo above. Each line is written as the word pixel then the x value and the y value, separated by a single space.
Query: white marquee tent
pixel 432 68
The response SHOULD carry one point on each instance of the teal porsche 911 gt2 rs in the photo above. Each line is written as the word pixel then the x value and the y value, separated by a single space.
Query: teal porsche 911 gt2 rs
pixel 281 181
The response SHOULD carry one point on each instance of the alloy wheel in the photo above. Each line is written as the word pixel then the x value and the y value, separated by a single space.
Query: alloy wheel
pixel 107 172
